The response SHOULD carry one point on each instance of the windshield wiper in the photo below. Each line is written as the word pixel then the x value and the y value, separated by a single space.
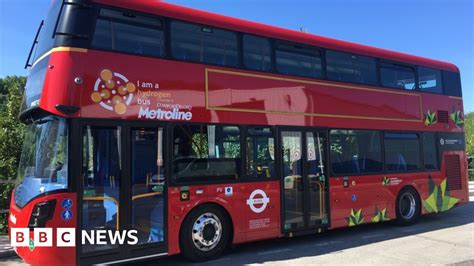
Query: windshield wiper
pixel 45 120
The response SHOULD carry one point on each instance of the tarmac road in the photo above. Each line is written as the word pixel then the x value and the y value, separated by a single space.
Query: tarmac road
pixel 446 238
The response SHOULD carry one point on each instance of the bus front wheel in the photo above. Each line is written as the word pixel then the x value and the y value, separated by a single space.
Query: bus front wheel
pixel 408 206
pixel 204 233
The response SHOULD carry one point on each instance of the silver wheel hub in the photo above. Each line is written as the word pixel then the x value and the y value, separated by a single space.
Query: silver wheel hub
pixel 207 232
pixel 407 205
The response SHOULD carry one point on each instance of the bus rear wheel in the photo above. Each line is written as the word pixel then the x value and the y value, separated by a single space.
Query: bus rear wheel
pixel 204 233
pixel 408 206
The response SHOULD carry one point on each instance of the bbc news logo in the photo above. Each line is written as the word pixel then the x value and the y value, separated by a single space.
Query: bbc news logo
pixel 66 237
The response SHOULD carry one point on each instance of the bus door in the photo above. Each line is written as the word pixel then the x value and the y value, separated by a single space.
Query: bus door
pixel 122 192
pixel 304 184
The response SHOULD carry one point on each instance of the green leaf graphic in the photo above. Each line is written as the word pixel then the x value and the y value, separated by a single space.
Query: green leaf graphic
pixel 355 218
pixel 457 118
pixel 438 199
pixel 380 216
pixel 430 118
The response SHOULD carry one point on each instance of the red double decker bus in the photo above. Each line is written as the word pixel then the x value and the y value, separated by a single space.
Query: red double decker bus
pixel 190 131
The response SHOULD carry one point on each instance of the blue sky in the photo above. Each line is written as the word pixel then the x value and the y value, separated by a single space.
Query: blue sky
pixel 438 29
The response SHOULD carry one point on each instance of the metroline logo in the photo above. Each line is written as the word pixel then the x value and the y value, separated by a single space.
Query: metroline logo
pixel 175 114
pixel 66 237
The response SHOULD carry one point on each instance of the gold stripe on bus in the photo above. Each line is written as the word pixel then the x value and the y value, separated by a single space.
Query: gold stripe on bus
pixel 59 49
pixel 229 109
pixel 209 70
pixel 145 195
pixel 234 109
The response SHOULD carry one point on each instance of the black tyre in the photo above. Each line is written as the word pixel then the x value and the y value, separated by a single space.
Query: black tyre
pixel 408 206
pixel 204 233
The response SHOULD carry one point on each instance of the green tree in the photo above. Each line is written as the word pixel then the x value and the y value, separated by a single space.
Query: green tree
pixel 11 138
pixel 11 129
pixel 469 131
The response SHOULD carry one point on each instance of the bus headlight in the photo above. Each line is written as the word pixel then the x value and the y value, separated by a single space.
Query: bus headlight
pixel 42 212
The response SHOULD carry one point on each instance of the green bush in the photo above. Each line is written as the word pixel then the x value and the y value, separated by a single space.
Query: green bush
pixel 469 134
pixel 5 196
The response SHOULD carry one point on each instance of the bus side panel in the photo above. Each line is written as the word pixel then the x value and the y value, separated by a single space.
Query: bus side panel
pixel 373 198
pixel 46 255
pixel 459 191
pixel 236 199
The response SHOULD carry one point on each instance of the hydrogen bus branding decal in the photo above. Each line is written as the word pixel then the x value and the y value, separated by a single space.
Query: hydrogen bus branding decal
pixel 114 92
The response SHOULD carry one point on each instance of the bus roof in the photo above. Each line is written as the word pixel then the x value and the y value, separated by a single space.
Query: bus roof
pixel 212 19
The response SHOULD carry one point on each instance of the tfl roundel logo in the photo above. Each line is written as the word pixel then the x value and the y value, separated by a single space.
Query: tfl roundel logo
pixel 258 201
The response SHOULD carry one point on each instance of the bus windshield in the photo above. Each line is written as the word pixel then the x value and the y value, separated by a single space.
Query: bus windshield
pixel 43 162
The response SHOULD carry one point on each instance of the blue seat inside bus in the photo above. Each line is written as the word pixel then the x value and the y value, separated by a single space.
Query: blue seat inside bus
pixel 396 162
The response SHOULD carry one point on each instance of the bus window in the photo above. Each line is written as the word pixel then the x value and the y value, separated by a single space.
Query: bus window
pixel 429 80
pixel 356 152
pixel 45 39
pixel 148 181
pixel 347 67
pixel 452 83
pixel 292 144
pixel 298 60
pixel 204 44
pixel 128 33
pixel 260 153
pixel 43 170
pixel 257 53
pixel 402 152
pixel 397 76
pixel 430 155
pixel 206 153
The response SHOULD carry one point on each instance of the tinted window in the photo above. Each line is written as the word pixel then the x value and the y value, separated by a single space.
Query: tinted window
pixel 298 61
pixel 397 76
pixel 45 39
pixel 260 153
pixel 34 84
pixel 402 152
pixel 206 152
pixel 257 53
pixel 147 184
pixel 430 155
pixel 101 178
pixel 429 80
pixel 293 185
pixel 356 151
pixel 193 42
pixel 128 33
pixel 452 83
pixel 351 68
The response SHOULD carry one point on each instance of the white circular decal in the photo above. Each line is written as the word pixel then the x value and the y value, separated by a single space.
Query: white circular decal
pixel 441 141
pixel 263 200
